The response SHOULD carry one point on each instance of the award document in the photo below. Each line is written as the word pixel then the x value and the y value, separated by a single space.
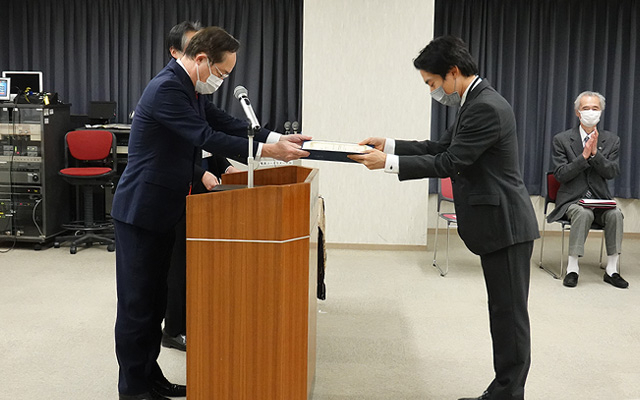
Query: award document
pixel 597 203
pixel 333 151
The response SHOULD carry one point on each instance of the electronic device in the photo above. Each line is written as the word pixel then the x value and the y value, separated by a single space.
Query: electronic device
pixel 102 111
pixel 5 89
pixel 21 80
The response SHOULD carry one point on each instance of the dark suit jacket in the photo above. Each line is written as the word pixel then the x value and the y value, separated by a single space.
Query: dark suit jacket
pixel 480 154
pixel 170 127
pixel 576 174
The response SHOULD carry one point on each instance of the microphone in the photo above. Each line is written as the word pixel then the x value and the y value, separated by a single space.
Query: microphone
pixel 287 127
pixel 241 93
pixel 296 126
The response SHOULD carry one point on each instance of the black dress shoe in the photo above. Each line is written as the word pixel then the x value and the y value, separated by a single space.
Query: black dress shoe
pixel 483 396
pixel 143 396
pixel 616 280
pixel 571 280
pixel 174 342
pixel 168 389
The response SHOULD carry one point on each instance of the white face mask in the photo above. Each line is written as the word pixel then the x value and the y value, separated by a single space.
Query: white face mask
pixel 446 99
pixel 211 85
pixel 590 118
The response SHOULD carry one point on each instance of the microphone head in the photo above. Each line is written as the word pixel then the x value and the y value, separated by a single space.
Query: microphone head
pixel 287 126
pixel 240 91
pixel 295 125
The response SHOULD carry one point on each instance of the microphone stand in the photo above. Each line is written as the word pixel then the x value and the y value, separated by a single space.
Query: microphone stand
pixel 250 158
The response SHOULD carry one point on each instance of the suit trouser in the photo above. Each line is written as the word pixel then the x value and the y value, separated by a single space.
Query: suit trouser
pixel 581 220
pixel 506 274
pixel 142 262
pixel 175 320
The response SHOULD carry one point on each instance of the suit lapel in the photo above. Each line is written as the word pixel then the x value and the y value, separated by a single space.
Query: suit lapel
pixel 188 85
pixel 576 142
pixel 471 96
pixel 601 141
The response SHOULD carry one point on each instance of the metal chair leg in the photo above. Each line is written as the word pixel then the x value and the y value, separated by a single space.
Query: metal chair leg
pixel 562 256
pixel 601 248
pixel 540 264
pixel 446 271
pixel 435 245
pixel 435 251
pixel 544 231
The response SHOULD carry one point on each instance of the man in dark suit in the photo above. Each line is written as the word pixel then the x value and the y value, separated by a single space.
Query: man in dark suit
pixel 495 216
pixel 583 160
pixel 175 325
pixel 172 122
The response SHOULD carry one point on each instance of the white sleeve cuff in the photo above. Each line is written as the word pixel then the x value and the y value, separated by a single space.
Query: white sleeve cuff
pixel 390 146
pixel 392 165
pixel 259 152
pixel 273 137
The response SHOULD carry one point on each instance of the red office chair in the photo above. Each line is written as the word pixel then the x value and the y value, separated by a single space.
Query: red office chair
pixel 552 190
pixel 94 161
pixel 445 193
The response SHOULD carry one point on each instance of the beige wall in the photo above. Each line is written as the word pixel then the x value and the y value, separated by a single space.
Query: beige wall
pixel 359 81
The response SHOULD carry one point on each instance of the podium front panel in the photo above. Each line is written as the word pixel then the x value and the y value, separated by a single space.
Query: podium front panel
pixel 251 288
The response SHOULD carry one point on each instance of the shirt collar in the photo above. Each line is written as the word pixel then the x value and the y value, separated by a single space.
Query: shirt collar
pixel 179 61
pixel 583 133
pixel 469 89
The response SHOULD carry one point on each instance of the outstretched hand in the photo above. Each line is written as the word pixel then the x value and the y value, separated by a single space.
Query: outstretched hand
pixel 297 138
pixel 284 150
pixel 377 142
pixel 372 159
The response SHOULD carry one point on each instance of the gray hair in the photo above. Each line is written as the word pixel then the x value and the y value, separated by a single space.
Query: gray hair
pixel 194 26
pixel 576 104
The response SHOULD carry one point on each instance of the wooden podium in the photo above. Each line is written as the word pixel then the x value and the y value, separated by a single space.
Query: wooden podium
pixel 251 287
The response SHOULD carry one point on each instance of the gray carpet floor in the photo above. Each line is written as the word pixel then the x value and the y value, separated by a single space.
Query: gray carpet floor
pixel 391 327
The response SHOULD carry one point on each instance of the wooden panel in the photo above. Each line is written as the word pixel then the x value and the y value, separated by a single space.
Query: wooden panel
pixel 248 320
pixel 287 174
pixel 250 308
pixel 260 213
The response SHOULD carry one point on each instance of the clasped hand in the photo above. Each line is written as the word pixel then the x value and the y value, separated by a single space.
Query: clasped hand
pixel 591 147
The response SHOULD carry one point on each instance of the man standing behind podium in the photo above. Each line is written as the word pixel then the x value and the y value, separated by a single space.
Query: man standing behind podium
pixel 172 122
pixel 495 216
pixel 175 319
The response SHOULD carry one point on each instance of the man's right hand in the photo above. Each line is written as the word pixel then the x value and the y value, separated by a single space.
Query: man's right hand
pixel 209 180
pixel 283 150
pixel 588 147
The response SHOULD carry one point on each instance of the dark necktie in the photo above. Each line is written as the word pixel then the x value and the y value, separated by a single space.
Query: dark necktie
pixel 588 194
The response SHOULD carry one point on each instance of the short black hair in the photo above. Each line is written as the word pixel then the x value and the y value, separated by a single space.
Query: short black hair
pixel 214 42
pixel 176 37
pixel 442 54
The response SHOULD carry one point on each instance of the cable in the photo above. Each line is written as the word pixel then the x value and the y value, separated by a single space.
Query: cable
pixel 13 245
pixel 33 217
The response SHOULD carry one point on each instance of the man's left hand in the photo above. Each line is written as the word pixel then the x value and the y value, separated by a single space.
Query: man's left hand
pixel 373 159
pixel 594 147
